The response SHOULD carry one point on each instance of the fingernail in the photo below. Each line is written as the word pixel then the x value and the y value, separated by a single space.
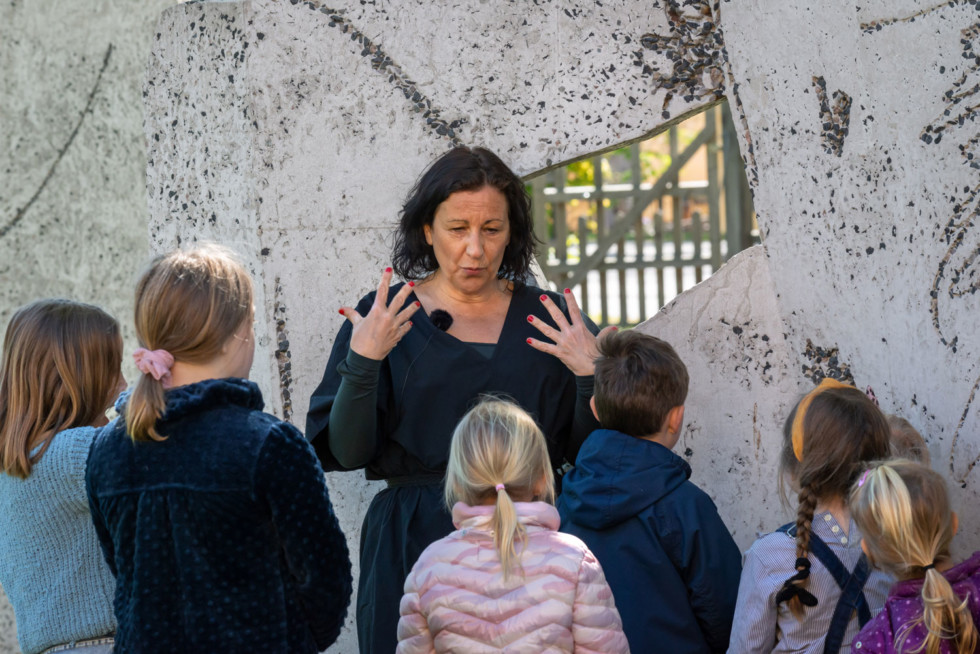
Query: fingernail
pixel 341 312
pixel 530 318
pixel 529 341
pixel 544 297
pixel 615 329
pixel 567 290
pixel 417 303
pixel 388 269
pixel 410 284
pixel 409 323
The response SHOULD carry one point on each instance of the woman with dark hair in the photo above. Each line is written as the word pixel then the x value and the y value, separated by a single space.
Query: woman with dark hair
pixel 412 358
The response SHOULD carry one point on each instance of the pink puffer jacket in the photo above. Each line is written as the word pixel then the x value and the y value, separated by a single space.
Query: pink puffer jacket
pixel 456 599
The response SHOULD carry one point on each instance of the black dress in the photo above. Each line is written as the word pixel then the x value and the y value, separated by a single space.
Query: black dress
pixel 425 385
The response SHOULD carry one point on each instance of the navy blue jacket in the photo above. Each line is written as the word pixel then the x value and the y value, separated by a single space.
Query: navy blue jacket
pixel 668 557
pixel 222 537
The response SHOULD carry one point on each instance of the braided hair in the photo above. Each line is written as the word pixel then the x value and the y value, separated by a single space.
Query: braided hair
pixel 839 432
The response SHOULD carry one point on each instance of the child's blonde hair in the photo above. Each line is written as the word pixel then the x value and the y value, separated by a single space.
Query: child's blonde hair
pixel 902 509
pixel 907 442
pixel 60 370
pixel 189 304
pixel 834 431
pixel 499 452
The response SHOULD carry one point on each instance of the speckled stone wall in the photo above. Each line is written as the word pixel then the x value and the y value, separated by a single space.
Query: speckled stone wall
pixel 73 206
pixel 294 129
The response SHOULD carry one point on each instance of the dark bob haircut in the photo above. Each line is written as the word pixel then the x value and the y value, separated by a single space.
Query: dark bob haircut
pixel 463 169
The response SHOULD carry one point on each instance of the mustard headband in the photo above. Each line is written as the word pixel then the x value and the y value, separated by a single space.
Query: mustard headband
pixel 801 408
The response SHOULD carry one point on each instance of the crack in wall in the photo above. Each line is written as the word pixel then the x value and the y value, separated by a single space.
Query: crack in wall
pixel 283 355
pixel 62 151
pixel 383 63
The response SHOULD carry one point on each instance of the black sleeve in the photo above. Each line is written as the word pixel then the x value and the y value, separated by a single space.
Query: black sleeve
pixel 583 420
pixel 353 428
pixel 347 384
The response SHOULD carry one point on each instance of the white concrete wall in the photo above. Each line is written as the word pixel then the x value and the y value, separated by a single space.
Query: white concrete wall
pixel 73 206
pixel 293 131
pixel 318 119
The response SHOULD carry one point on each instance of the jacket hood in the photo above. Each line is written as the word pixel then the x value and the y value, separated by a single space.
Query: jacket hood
pixel 616 477
pixel 183 400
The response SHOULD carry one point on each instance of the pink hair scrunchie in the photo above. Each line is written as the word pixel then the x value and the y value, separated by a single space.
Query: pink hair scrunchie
pixel 156 363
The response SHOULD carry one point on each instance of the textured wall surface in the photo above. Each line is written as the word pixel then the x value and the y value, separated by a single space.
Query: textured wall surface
pixel 72 159
pixel 294 129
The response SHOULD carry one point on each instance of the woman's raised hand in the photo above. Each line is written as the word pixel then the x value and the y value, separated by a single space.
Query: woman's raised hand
pixel 573 343
pixel 373 336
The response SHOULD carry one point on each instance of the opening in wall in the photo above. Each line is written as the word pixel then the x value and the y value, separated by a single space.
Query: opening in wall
pixel 630 229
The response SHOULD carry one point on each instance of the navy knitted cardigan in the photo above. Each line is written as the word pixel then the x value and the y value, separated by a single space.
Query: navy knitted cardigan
pixel 222 537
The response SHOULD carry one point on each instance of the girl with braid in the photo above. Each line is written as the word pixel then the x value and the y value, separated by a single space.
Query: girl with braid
pixel 903 511
pixel 808 587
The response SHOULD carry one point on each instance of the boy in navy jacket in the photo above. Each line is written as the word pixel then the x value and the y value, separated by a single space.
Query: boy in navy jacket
pixel 668 557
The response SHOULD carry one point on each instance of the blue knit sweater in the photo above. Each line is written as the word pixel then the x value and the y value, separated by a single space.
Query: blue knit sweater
pixel 50 563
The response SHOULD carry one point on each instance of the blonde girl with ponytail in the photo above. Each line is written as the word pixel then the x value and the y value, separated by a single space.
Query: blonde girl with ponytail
pixel 213 516
pixel 505 577
pixel 904 513
pixel 807 587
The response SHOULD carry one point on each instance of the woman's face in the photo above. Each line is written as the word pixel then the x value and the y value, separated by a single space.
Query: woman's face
pixel 469 233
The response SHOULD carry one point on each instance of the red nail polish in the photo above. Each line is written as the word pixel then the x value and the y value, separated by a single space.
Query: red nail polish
pixel 615 329
pixel 529 341
pixel 341 312
pixel 410 284
pixel 530 318
pixel 418 304
pixel 388 269
pixel 567 290
pixel 409 323
pixel 544 297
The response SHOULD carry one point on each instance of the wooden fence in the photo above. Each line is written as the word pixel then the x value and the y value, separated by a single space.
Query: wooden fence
pixel 640 243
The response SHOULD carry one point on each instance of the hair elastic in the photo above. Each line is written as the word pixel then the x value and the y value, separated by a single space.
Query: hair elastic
pixel 801 408
pixel 864 477
pixel 499 487
pixel 156 363
pixel 929 567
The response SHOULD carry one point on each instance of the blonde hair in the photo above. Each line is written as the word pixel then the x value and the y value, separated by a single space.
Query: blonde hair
pixel 188 303
pixel 907 442
pixel 902 509
pixel 60 370
pixel 498 443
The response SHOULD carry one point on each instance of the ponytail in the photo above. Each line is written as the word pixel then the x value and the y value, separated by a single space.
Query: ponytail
pixel 188 305
pixel 944 616
pixel 902 509
pixel 145 407
pixel 507 530
pixel 498 452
